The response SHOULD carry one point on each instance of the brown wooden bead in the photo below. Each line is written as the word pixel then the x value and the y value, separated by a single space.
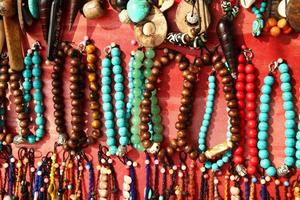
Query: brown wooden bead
pixel 183 65
pixel 146 102
pixel 173 143
pixel 193 155
pixel 96 114
pixel 149 86
pixel 179 57
pixel 157 64
pixel 198 62
pixel 9 138
pixel 144 127
pixel 145 118
pixel 147 94
pixel 223 72
pixel 17 93
pixel 186 93
pixel 202 158
pixel 191 77
pixel 229 96
pixel 218 66
pixel 234 121
pixel 188 148
pixel 232 104
pixel 194 69
pixel 235 137
pixel 226 79
pixel 164 60
pixel 181 142
pixel 181 133
pixel 145 135
pixel 22 116
pixel 234 129
pixel 182 117
pixel 19 108
pixel 180 126
pixel 24 123
pixel 169 151
pixel 185 100
pixel 188 84
pixel 96 134
pixel 205 58
pixel 14 85
pixel 233 113
pixel 161 154
pixel 146 144
pixel 228 88
pixel 216 58
pixel 71 144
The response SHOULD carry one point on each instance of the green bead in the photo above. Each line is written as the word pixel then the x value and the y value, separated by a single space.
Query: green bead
pixel 150 53
pixel 157 137
pixel 135 130
pixel 155 110
pixel 148 63
pixel 135 139
pixel 158 129
pixel 137 83
pixel 137 64
pixel 139 55
pixel 147 73
pixel 156 119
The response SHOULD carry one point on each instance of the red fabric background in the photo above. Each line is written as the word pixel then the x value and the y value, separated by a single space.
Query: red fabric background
pixel 108 29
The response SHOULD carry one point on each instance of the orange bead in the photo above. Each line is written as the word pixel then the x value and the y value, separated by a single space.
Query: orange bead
pixel 90 48
pixel 287 29
pixel 275 31
pixel 91 58
pixel 282 23
pixel 272 22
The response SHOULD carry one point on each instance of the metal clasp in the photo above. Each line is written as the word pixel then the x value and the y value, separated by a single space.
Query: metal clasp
pixel 248 54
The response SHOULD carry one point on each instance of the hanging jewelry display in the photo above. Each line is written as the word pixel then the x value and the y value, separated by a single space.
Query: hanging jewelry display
pixel 290 123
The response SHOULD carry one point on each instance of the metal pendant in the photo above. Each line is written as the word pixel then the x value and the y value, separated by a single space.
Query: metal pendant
pixel 257 27
pixel 121 151
pixel 241 170
pixel 283 170
pixel 154 148
pixel 61 140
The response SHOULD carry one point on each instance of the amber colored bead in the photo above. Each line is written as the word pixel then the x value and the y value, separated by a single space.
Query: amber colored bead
pixel 191 77
pixel 223 72
pixel 205 58
pixel 93 86
pixel 179 57
pixel 96 124
pixel 92 77
pixel 74 70
pixel 235 137
pixel 96 134
pixel 181 142
pixel 146 102
pixel 187 84
pixel 216 58
pixel 71 144
pixel 164 60
pixel 173 143
pixel 90 48
pixel 76 119
pixel 184 109
pixel 9 138
pixel 218 66
pixel 91 58
pixel 232 104
pixel 171 55
pixel 15 77
pixel 94 105
pixel 144 127
pixel 146 144
pixel 181 134
pixel 149 86
pixel 182 117
pixel 234 121
pixel 19 108
pixel 17 93
pixel 188 148
pixel 75 102
pixel 183 65
pixel 198 62
pixel 193 155
pixel 228 88
pixel 226 79
pixel 229 96
pixel 186 92
pixel 145 110
pixel 170 151
pixel 90 140
pixel 96 114
pixel 14 85
pixel 234 129
pixel 233 113
pixel 185 100
pixel 166 50
pixel 180 126
pixel 75 62
pixel 147 94
pixel 74 135
pixel 202 158
pixel 75 111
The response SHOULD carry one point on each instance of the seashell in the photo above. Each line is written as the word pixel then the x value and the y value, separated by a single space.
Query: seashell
pixel 93 9
pixel 127 179
pixel 247 3
pixel 282 8
pixel 149 29
pixel 123 17
pixel 126 186
pixel 8 8
pixel 167 4
pixel 234 190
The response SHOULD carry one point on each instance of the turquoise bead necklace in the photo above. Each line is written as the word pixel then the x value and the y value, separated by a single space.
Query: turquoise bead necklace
pixel 215 166
pixel 290 122
pixel 297 154
pixel 32 79
pixel 112 63
pixel 258 23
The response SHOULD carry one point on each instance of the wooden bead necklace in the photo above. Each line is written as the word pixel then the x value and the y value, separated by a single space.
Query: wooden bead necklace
pixel 77 138
pixel 290 122
pixel 113 60
pixel 32 79
pixel 94 96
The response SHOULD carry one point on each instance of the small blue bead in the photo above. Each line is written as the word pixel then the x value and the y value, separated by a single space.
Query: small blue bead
pixel 123 131
pixel 31 139
pixel 266 89
pixel 263 117
pixel 105 72
pixel 36 59
pixel 36 71
pixel 119 105
pixel 124 141
pixel 115 51
pixel 211 79
pixel 106 80
pixel 118 78
pixel 27 97
pixel 40 120
pixel 26 85
pixel 290 133
pixel 259 15
pixel 254 180
pixel 289 124
pixel 106 62
pixel 105 89
pixel 202 141
pixel 208 110
pixel 203 129
pixel 264 98
pixel 202 147
pixel 263 154
pixel 106 97
pixel 115 60
pixel 38 96
pixel 214 167
pixel 207 116
pixel 119 96
pixel 288 105
pixel 286 183
pixel 289 151
pixel 265 163
pixel 262 135
pixel 269 80
pixel 286 87
pixel 40 133
pixel 287 96
pixel 107 107
pixel 119 87
pixel 117 69
pixel 27 73
pixel 211 92
pixel 108 115
pixel 120 114
pixel 264 107
pixel 110 141
pixel 210 98
pixel 220 163
pixel 121 122
pixel 205 123
pixel 285 77
pixel 263 126
pixel 225 159
pixel 261 144
pixel 283 68
pixel 212 85
pixel 110 132
pixel 208 165
pixel 271 171
pixel 38 108
pixel 37 84
pixel 290 114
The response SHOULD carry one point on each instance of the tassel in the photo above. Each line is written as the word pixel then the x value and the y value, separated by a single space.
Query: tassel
pixel 191 181
pixel 252 191
pixel 226 187
pixel 211 187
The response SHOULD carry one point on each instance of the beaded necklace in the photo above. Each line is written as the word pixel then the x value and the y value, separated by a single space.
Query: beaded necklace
pixel 258 23
pixel 113 60
pixel 290 122
pixel 32 69
pixel 76 139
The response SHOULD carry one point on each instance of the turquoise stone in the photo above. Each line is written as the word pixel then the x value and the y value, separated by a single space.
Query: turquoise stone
pixel 31 139
pixel 138 10
pixel 271 171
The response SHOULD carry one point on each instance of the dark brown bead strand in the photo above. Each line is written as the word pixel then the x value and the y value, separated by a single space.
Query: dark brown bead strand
pixel 93 81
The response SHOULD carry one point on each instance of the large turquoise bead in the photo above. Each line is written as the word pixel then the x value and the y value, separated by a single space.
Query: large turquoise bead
pixel 106 80
pixel 289 161
pixel 262 135
pixel 290 142
pixel 105 72
pixel 38 108
pixel 265 163
pixel 263 117
pixel 106 97
pixel 26 85
pixel 107 107
pixel 290 123
pixel 212 85
pixel 225 159
pixel 105 89
pixel 297 164
pixel 27 73
pixel 285 77
pixel 118 78
pixel 263 126
pixel 121 122
pixel 113 150
pixel 263 154
pixel 138 10
pixel 214 167
pixel 290 114
pixel 119 96
pixel 212 79
pixel 40 132
pixel 36 59
pixel 110 132
pixel 124 141
pixel 38 96
pixel 27 60
pixel 283 68
pixel 110 141
pixel 287 96
pixel 119 87
pixel 36 71
pixel 266 89
pixel 115 51
pixel 33 6
pixel 37 84
pixel 220 163
pixel 119 104
pixel 289 151
pixel 115 60
pixel 286 87
pixel 123 131
pixel 297 154
pixel 288 105
pixel 271 171
pixel 40 120
pixel 120 113
pixel 269 80
pixel 264 108
pixel 290 133
pixel 106 62
pixel 108 115
pixel 264 98
pixel 261 144
pixel 117 69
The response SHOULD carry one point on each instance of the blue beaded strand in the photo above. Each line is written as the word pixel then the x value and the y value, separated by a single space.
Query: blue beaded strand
pixel 258 23
pixel 112 65
pixel 33 71
pixel 215 166
pixel 290 123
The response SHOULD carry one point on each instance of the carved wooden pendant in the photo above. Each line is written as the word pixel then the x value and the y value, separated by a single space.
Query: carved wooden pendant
pixel 187 16
pixel 293 14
